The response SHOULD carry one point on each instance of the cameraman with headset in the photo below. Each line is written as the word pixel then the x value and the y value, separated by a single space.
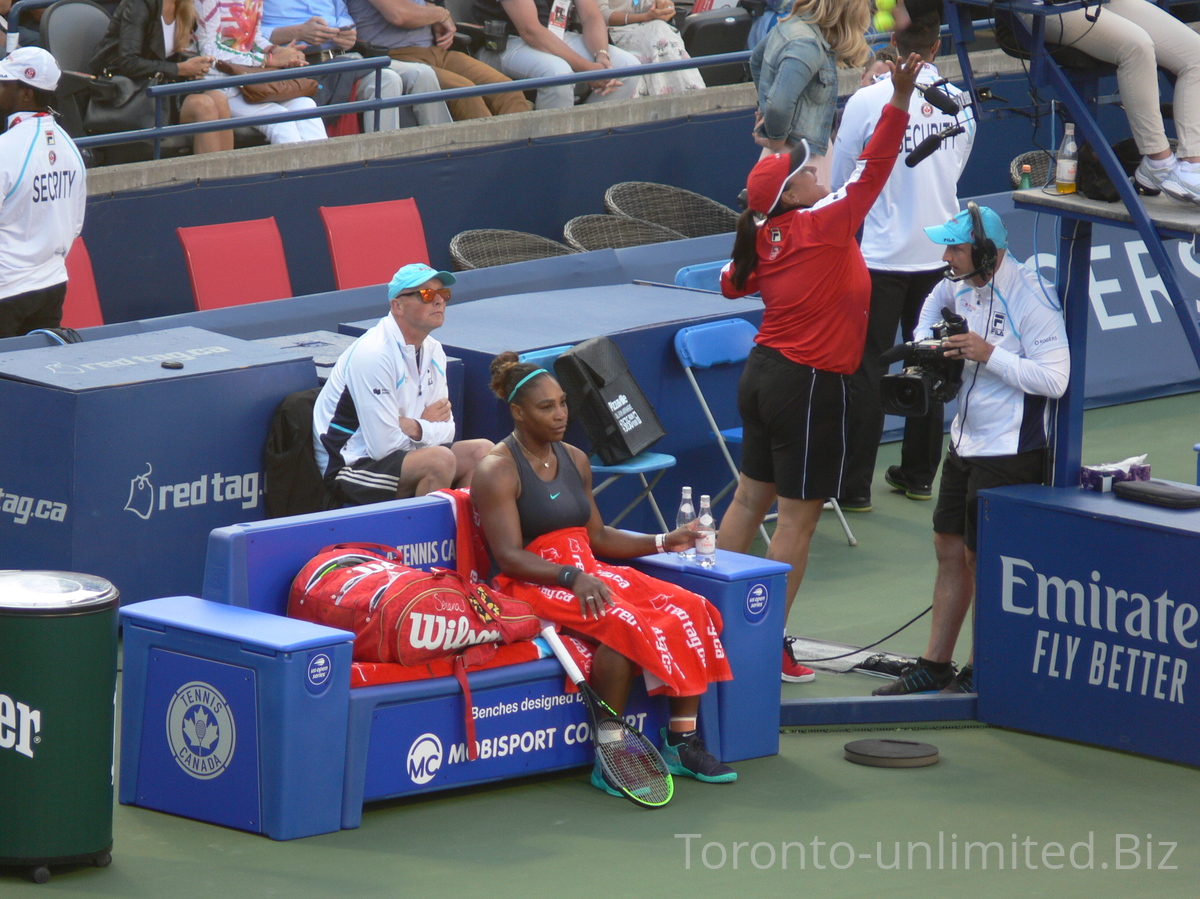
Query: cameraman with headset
pixel 1015 356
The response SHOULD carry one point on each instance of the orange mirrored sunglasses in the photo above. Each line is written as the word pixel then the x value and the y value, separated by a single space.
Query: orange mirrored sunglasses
pixel 428 294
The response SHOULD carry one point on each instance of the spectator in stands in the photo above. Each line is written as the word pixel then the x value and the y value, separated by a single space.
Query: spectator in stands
pixel 649 35
pixel 877 67
pixel 534 497
pixel 1137 37
pixel 231 30
pixel 382 426
pixel 903 264
pixel 795 70
pixel 28 28
pixel 43 192
pixel 325 31
pixel 538 47
pixel 414 31
pixel 795 244
pixel 152 38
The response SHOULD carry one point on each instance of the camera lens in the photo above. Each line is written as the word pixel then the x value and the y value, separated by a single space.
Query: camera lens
pixel 908 393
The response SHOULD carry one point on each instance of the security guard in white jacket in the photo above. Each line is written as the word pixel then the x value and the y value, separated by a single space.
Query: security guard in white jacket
pixel 43 191
pixel 382 425
pixel 903 264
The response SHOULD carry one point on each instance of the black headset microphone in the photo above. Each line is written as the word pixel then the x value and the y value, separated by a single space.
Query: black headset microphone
pixel 983 248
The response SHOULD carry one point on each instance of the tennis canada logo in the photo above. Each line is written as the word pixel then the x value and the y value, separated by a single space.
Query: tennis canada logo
pixel 201 730
pixel 424 758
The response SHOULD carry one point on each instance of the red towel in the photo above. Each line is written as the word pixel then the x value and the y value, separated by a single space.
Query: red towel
pixel 471 553
pixel 670 632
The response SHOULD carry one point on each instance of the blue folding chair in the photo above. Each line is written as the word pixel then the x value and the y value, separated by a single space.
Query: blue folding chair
pixel 726 342
pixel 701 276
pixel 642 464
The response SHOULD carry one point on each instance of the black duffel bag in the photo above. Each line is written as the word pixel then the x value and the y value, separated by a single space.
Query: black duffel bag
pixel 602 394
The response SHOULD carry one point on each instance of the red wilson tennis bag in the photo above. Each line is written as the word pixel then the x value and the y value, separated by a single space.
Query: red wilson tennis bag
pixel 405 615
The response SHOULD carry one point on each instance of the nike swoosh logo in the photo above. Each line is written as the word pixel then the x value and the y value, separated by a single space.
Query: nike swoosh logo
pixel 555 495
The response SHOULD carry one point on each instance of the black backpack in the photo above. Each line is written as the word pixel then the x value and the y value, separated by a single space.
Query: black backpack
pixel 293 482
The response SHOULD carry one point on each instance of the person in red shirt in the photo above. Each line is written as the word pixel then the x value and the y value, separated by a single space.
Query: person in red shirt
pixel 796 245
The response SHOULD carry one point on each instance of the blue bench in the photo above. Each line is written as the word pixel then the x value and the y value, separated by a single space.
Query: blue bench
pixel 397 739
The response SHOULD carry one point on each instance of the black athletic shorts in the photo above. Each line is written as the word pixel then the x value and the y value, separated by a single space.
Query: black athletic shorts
pixel 957 509
pixel 793 424
pixel 369 480
pixel 27 312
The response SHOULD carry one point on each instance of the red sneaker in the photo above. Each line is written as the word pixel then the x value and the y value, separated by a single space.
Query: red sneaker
pixel 793 671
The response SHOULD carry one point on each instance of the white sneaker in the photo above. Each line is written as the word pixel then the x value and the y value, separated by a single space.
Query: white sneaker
pixel 1149 178
pixel 1183 183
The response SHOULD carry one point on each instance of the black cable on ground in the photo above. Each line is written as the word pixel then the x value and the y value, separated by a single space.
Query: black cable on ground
pixel 876 643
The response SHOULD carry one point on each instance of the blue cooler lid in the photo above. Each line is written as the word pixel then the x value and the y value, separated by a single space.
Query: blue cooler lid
pixel 54 593
pixel 730 566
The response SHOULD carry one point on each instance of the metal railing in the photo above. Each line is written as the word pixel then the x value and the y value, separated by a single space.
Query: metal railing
pixel 161 132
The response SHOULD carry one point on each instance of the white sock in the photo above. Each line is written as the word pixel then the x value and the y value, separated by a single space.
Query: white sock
pixel 1167 163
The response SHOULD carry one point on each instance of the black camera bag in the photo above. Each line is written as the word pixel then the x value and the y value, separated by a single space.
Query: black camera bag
pixel 602 394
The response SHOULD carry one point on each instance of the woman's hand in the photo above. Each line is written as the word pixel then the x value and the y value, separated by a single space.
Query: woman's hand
pixel 904 76
pixel 195 67
pixel 607 85
pixel 663 9
pixel 287 56
pixel 680 539
pixel 593 594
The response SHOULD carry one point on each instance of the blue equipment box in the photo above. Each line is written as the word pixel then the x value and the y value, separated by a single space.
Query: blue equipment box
pixel 1087 624
pixel 749 594
pixel 234 717
pixel 119 467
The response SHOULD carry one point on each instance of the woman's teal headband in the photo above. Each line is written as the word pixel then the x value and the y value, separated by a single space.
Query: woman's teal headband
pixel 521 383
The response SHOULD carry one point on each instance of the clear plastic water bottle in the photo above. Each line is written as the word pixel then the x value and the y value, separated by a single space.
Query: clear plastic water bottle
pixel 706 530
pixel 685 516
pixel 1066 165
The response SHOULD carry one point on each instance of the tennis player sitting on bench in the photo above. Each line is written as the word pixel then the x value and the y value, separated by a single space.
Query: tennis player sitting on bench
pixel 534 496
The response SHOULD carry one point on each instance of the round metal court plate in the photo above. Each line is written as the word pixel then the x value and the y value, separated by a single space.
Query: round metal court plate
pixel 891 753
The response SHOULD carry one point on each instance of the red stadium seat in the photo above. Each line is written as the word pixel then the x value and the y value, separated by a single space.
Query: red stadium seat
pixel 235 263
pixel 81 308
pixel 368 242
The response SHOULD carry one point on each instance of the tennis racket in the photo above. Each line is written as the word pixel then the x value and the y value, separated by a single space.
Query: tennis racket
pixel 629 761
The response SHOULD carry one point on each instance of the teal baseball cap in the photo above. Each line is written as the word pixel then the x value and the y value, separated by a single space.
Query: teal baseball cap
pixel 414 275
pixel 958 229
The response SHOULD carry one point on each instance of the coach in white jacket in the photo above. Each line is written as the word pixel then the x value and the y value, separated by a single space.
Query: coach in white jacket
pixel 382 425
pixel 904 265
pixel 43 192
pixel 1015 358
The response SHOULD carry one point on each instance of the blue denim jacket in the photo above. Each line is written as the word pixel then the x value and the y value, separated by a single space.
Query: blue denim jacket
pixel 796 74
